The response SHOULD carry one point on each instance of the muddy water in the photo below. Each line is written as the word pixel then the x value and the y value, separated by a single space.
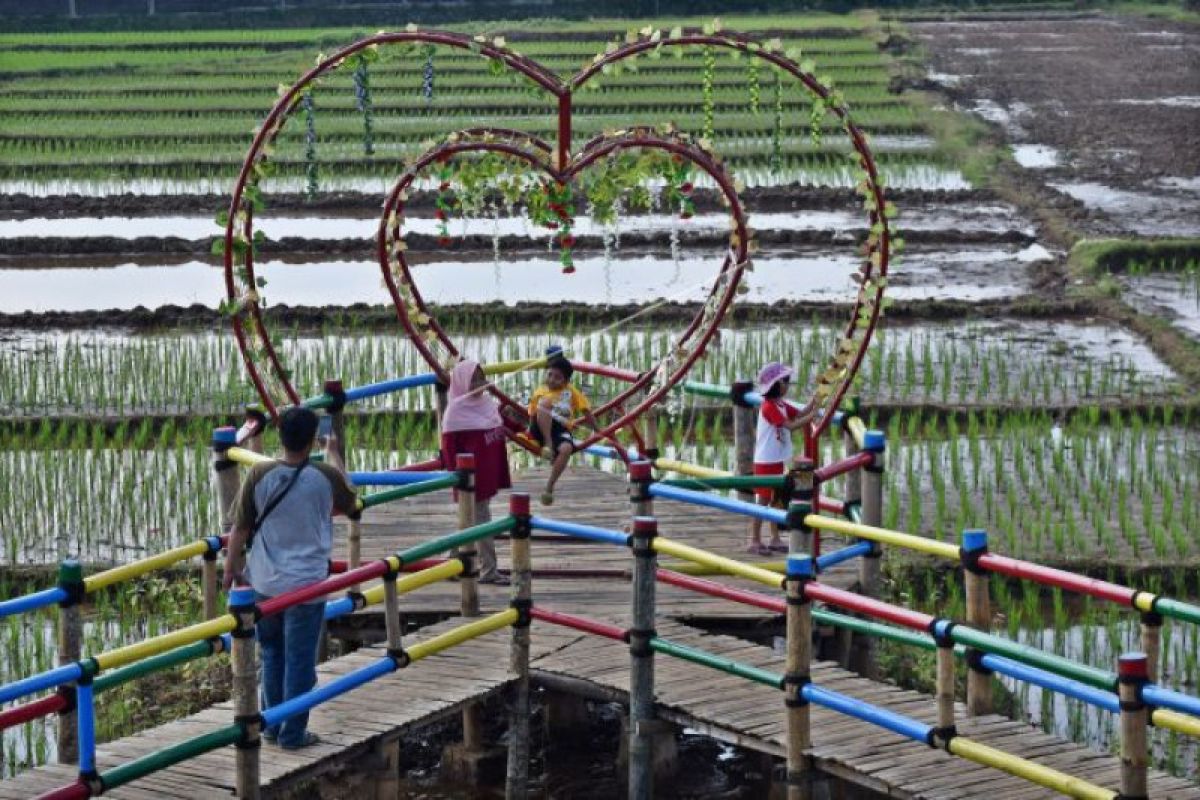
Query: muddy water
pixel 1173 295
pixel 965 274
pixel 994 218
pixel 1123 141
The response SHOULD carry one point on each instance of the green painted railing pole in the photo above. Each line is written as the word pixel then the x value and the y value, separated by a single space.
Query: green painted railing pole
pixel 169 756
pixel 746 671
pixel 411 490
pixel 146 666
pixel 453 540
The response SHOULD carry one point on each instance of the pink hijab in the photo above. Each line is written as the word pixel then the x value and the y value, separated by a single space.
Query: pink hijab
pixel 467 410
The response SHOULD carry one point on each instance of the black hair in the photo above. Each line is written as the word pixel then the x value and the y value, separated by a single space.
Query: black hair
pixel 776 389
pixel 562 365
pixel 297 428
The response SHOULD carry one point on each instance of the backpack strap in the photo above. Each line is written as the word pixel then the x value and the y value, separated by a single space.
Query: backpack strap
pixel 273 502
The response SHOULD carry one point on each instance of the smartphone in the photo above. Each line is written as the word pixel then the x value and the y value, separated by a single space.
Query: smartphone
pixel 324 428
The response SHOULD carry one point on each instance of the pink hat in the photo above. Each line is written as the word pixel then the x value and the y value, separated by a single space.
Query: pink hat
pixel 771 374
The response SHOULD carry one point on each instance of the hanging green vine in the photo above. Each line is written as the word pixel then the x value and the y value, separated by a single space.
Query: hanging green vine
pixel 427 74
pixel 710 71
pixel 752 81
pixel 362 99
pixel 311 177
pixel 777 128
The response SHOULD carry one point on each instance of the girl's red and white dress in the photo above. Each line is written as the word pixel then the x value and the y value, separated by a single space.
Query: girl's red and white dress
pixel 773 441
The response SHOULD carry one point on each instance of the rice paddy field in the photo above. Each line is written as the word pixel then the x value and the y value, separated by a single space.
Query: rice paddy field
pixel 1036 374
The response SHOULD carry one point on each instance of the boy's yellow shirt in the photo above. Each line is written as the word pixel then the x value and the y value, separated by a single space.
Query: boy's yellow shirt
pixel 565 403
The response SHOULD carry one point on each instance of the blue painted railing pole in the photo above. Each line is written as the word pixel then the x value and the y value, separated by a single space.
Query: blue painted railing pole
pixel 800 570
pixel 516 784
pixel 245 693
pixel 70 644
pixel 641 668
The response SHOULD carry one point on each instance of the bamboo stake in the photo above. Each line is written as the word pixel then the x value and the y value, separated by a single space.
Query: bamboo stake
pixel 225 474
pixel 870 571
pixel 641 475
pixel 979 615
pixel 245 693
pixel 800 570
pixel 744 421
pixel 464 465
pixel 944 692
pixel 517 777
pixel 70 644
pixel 641 670
pixel 1132 674
pixel 1152 642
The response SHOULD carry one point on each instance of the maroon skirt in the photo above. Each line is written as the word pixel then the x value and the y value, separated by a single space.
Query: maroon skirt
pixel 491 458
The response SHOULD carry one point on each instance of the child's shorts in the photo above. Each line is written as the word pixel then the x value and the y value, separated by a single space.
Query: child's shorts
pixel 773 468
pixel 558 434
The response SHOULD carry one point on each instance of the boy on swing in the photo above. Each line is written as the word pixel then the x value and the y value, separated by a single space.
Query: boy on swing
pixel 554 410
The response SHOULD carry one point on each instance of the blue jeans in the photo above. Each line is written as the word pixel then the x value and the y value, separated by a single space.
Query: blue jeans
pixel 287 644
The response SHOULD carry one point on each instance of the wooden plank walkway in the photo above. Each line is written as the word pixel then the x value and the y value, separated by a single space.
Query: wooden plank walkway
pixel 727 708
pixel 583 495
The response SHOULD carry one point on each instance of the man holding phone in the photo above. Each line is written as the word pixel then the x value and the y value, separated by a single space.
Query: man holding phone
pixel 282 515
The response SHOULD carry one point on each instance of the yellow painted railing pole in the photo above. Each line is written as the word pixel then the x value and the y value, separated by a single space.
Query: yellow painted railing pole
pixel 684 468
pixel 1030 771
pixel 167 641
pixel 884 536
pixel 138 568
pixel 728 565
pixel 414 581
pixel 463 633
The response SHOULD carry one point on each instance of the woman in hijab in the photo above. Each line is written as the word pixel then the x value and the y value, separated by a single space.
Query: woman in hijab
pixel 472 424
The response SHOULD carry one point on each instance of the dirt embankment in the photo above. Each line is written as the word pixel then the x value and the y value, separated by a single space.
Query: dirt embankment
pixel 785 198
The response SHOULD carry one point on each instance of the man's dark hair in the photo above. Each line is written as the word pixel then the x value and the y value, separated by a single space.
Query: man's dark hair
pixel 297 428
pixel 562 365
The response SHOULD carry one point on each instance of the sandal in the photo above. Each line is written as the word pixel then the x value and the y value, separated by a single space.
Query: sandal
pixel 309 739
pixel 494 580
pixel 758 549
pixel 547 498
pixel 778 547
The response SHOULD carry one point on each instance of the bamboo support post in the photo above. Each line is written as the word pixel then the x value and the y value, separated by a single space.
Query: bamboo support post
pixel 255 424
pixel 336 448
pixel 70 645
pixel 641 475
pixel 944 692
pixel 800 506
pixel 225 474
pixel 1152 623
pixel 245 693
pixel 801 569
pixel 210 582
pixel 650 434
pixel 870 566
pixel 464 465
pixel 744 422
pixel 517 776
pixel 1132 675
pixel 979 616
pixel 641 669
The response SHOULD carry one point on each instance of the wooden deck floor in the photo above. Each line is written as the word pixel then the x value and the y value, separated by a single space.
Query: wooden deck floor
pixel 727 708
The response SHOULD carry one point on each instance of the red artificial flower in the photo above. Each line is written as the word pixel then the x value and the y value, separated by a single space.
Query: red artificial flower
pixel 552 225
pixel 444 241
pixel 686 188
pixel 567 241
pixel 444 187
pixel 569 269
pixel 685 214
pixel 439 214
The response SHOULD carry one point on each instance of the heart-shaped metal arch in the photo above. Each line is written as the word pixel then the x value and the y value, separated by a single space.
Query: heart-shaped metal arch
pixel 273 384
pixel 423 328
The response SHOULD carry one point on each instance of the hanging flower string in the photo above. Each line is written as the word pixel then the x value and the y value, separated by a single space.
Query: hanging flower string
pixel 311 183
pixel 710 70
pixel 561 207
pixel 427 75
pixel 445 202
pixel 362 100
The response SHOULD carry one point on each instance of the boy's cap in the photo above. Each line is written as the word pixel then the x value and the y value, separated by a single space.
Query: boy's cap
pixel 554 349
pixel 771 374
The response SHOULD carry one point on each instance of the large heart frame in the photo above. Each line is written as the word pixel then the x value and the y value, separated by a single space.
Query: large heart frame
pixel 259 354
